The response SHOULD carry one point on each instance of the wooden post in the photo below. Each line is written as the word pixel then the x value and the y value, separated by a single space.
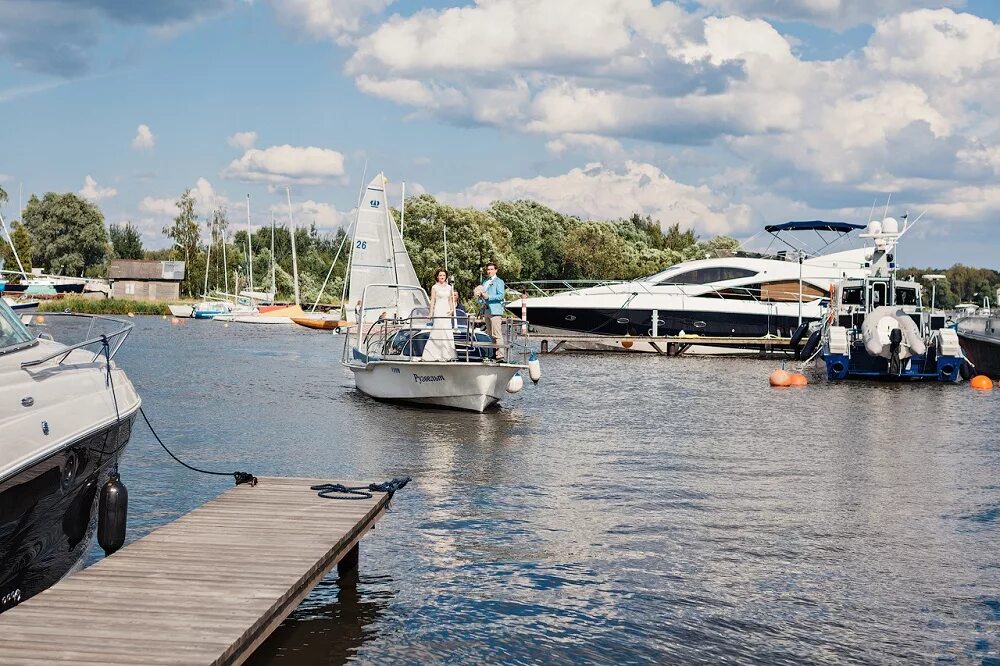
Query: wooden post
pixel 349 562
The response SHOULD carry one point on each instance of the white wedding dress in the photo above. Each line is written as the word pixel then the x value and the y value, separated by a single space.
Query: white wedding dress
pixel 441 343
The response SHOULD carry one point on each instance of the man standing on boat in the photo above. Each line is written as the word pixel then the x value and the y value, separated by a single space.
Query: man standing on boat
pixel 493 289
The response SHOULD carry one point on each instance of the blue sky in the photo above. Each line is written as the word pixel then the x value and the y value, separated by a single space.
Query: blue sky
pixel 723 115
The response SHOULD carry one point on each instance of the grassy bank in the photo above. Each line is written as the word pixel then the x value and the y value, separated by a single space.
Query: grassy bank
pixel 114 306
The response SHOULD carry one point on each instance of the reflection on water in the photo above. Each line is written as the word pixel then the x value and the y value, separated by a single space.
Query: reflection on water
pixel 626 509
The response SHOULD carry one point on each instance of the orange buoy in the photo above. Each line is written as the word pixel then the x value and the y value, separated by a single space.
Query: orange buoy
pixel 780 378
pixel 39 319
pixel 981 383
pixel 627 344
pixel 798 379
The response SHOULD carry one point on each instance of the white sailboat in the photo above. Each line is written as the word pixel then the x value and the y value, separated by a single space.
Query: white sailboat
pixel 390 308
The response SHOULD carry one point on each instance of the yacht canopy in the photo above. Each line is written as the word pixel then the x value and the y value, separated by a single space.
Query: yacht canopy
pixel 814 225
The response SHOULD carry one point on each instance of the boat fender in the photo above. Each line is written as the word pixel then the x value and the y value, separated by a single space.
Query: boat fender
pixel 810 346
pixel 534 368
pixel 966 370
pixel 112 514
pixel 515 384
pixel 797 335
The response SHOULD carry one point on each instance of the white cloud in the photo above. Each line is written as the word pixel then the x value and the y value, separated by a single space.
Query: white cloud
pixel 242 140
pixel 95 193
pixel 144 138
pixel 4 178
pixel 324 215
pixel 586 144
pixel 601 193
pixel 838 14
pixel 206 200
pixel 287 164
pixel 336 20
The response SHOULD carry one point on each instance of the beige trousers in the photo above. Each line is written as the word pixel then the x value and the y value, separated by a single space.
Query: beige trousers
pixel 494 326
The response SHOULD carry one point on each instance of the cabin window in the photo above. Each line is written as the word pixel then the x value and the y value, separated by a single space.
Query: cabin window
pixel 878 295
pixel 707 275
pixel 853 296
pixel 905 296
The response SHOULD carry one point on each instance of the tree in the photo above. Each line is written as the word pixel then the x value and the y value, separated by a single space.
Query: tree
pixel 67 233
pixel 22 242
pixel 185 234
pixel 126 241
pixel 3 196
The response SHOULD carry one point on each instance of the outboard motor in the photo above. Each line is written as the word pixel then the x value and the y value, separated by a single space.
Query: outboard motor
pixel 112 514
pixel 895 342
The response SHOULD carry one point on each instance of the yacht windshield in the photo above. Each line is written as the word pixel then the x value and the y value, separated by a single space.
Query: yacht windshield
pixel 708 275
pixel 12 331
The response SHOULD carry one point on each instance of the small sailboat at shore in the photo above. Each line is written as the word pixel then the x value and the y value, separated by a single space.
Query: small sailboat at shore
pixel 385 354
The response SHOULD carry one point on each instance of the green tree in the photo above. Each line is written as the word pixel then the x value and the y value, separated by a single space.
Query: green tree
pixel 126 241
pixel 22 242
pixel 3 196
pixel 67 233
pixel 185 233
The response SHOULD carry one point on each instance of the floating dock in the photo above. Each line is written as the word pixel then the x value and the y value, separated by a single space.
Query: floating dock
pixel 662 345
pixel 208 588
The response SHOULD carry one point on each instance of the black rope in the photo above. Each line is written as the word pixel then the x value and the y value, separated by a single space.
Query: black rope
pixel 338 491
pixel 239 477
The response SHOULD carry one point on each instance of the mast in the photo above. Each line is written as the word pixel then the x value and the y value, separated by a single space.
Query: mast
pixel 350 258
pixel 295 261
pixel 10 241
pixel 389 222
pixel 274 288
pixel 208 257
pixel 225 264
pixel 249 248
pixel 402 210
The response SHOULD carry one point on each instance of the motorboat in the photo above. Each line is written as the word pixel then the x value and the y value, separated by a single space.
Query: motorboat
pixel 393 325
pixel 23 303
pixel 66 415
pixel 323 321
pixel 877 328
pixel 181 310
pixel 747 295
pixel 979 336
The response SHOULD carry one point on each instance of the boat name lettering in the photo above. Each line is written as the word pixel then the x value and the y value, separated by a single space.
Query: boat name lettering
pixel 420 379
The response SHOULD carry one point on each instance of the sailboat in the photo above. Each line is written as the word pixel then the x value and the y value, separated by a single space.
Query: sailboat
pixel 393 326
pixel 279 315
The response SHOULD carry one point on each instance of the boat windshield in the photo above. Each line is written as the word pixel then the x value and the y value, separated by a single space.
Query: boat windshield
pixel 12 331
pixel 708 275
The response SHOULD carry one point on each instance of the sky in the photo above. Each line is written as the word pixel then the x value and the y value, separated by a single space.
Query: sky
pixel 721 115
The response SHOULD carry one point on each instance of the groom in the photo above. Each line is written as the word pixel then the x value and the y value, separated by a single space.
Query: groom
pixel 493 291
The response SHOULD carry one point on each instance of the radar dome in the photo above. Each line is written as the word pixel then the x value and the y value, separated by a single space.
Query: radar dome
pixel 874 228
pixel 890 226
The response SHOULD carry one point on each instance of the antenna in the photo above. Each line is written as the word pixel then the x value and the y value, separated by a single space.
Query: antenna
pixel 887 200
pixel 871 213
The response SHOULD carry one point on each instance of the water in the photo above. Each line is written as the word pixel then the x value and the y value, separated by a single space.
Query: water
pixel 627 509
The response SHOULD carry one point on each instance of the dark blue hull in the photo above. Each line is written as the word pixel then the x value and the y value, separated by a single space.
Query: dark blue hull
pixel 48 512
pixel 861 365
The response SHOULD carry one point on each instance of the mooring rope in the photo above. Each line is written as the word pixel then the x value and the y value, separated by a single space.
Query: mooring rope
pixel 338 491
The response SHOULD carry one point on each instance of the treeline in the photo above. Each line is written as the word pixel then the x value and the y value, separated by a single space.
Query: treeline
pixel 66 234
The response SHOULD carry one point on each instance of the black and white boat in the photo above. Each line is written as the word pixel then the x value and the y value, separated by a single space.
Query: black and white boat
pixel 66 415
pixel 742 296
pixel 979 336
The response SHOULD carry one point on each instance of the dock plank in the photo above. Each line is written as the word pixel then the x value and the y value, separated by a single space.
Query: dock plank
pixel 207 588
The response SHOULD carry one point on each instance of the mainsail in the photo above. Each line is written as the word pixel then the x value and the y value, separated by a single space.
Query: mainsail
pixel 378 256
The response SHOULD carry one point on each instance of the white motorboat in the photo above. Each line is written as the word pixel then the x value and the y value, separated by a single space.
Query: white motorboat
pixel 393 326
pixel 66 415
pixel 751 296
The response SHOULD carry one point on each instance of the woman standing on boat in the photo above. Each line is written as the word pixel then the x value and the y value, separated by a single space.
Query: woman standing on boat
pixel 441 342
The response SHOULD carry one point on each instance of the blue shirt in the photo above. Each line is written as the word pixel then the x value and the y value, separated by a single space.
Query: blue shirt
pixel 495 289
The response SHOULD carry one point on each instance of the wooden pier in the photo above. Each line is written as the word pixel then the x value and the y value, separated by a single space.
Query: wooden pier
pixel 662 345
pixel 208 588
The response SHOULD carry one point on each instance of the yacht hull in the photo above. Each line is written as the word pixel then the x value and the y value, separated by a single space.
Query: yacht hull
pixel 466 386
pixel 48 511
pixel 980 340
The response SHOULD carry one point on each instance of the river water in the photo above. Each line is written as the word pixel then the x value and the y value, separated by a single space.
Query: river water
pixel 627 509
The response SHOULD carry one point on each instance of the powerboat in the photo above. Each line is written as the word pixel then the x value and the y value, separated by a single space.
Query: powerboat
pixel 66 415
pixel 748 295
pixel 979 336
pixel 877 327
pixel 393 325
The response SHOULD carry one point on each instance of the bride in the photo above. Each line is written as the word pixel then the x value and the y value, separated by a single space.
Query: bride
pixel 441 342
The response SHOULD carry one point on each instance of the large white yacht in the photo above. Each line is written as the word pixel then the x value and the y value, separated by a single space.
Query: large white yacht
pixel 748 296
pixel 66 414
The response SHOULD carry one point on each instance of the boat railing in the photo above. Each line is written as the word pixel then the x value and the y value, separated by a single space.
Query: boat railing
pixel 113 340
pixel 394 336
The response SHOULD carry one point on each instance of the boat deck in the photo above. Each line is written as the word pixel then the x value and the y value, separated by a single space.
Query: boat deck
pixel 208 588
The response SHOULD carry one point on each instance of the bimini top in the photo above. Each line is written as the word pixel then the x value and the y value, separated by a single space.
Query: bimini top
pixel 814 225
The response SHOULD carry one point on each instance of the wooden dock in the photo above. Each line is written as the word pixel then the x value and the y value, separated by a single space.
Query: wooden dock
pixel 662 345
pixel 208 588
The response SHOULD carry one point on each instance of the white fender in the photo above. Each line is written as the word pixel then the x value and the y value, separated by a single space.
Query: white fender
pixel 534 368
pixel 515 384
pixel 911 333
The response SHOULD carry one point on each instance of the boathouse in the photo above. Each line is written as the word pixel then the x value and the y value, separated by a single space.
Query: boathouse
pixel 146 280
